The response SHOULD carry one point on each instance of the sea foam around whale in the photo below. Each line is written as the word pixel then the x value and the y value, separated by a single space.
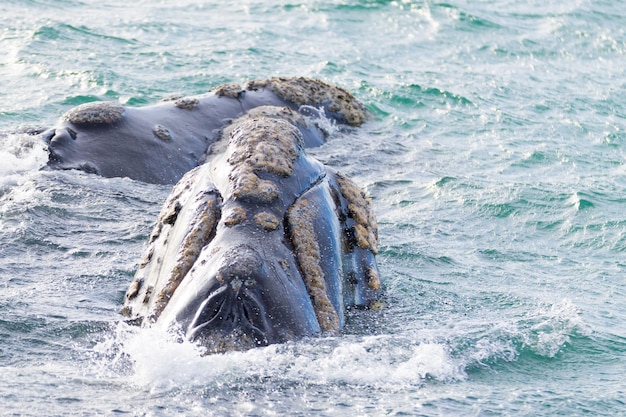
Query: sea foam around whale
pixel 158 361
pixel 20 154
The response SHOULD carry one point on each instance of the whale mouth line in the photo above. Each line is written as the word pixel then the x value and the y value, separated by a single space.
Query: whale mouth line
pixel 238 314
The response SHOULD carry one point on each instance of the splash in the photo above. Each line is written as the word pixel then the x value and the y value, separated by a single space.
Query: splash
pixel 549 330
pixel 159 361
pixel 545 331
pixel 317 116
pixel 19 153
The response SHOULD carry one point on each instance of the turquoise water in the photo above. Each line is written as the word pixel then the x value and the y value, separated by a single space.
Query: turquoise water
pixel 495 157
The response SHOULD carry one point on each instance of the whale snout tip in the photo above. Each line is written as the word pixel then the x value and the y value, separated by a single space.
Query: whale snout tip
pixel 231 318
pixel 233 315
pixel 250 302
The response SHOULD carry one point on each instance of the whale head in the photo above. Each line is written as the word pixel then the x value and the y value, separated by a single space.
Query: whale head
pixel 241 300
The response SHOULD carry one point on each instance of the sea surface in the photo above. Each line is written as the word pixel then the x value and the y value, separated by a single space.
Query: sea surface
pixel 495 157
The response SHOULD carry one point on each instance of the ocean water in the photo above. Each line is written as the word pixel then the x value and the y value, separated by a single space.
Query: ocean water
pixel 495 158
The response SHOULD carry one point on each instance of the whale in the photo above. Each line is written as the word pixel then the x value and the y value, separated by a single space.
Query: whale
pixel 161 142
pixel 260 244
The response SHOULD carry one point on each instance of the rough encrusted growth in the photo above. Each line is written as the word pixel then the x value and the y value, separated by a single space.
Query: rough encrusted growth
pixel 235 217
pixel 361 236
pixel 261 145
pixel 278 112
pixel 247 185
pixel 162 132
pixel 170 216
pixel 199 235
pixel 187 103
pixel 147 257
pixel 172 97
pixel 301 217
pixel 134 288
pixel 302 90
pixel 266 220
pixel 95 113
pixel 373 279
pixel 228 90
pixel 360 209
pixel 265 144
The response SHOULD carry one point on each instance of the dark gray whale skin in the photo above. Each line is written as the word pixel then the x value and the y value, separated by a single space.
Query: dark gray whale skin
pixel 261 244
pixel 258 243
pixel 159 143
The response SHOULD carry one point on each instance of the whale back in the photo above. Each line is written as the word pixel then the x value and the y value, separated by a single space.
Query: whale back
pixel 159 143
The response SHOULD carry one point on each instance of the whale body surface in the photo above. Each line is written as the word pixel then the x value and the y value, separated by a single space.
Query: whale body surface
pixel 258 242
pixel 161 142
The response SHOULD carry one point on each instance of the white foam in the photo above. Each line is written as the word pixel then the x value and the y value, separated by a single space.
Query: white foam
pixel 317 116
pixel 159 363
pixel 156 360
pixel 545 331
pixel 19 153
pixel 551 328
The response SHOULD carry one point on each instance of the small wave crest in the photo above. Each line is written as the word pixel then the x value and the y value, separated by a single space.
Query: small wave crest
pixel 19 153
pixel 545 333
pixel 318 117
pixel 550 329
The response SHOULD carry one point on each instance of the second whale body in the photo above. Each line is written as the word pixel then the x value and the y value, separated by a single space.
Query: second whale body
pixel 161 142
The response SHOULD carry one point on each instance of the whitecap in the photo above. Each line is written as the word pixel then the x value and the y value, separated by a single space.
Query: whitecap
pixel 20 153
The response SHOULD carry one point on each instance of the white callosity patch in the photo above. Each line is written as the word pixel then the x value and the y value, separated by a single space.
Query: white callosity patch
pixel 307 91
pixel 95 113
pixel 262 144
pixel 187 103
pixel 315 123
pixel 304 237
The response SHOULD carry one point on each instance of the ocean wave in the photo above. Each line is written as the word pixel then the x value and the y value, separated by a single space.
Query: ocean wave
pixel 20 153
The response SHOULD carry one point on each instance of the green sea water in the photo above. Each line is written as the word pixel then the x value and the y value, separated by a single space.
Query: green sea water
pixel 494 155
